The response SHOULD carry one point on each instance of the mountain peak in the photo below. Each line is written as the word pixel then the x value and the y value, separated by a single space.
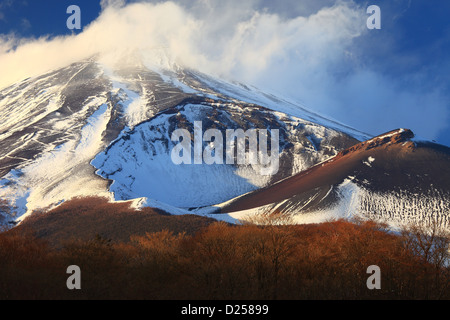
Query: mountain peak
pixel 394 137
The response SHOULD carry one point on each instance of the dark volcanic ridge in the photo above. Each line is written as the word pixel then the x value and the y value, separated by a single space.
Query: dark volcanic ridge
pixel 388 177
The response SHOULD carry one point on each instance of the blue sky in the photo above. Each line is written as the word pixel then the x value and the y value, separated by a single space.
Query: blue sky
pixel 381 80
pixel 42 17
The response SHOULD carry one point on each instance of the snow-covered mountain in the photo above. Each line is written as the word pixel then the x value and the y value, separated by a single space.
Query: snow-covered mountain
pixel 92 129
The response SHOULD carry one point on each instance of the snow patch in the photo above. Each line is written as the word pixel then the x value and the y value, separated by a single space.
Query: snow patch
pixel 60 174
pixel 369 162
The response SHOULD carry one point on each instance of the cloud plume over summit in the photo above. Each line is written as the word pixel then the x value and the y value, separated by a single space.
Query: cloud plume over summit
pixel 308 54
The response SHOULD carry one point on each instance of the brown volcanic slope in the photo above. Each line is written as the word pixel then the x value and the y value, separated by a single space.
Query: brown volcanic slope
pixel 86 219
pixel 386 164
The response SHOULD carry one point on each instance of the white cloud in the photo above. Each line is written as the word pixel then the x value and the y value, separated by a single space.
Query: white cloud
pixel 308 57
pixel 231 40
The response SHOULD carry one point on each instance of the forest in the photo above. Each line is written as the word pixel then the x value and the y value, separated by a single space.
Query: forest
pixel 267 259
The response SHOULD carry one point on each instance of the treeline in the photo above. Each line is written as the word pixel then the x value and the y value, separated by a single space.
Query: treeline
pixel 326 261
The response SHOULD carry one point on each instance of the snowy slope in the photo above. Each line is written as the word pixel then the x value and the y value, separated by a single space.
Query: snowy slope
pixel 140 164
pixel 96 129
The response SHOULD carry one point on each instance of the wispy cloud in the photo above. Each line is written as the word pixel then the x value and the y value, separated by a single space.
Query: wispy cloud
pixel 25 24
pixel 112 3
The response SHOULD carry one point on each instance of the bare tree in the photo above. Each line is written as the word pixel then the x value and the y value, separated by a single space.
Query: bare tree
pixel 430 242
